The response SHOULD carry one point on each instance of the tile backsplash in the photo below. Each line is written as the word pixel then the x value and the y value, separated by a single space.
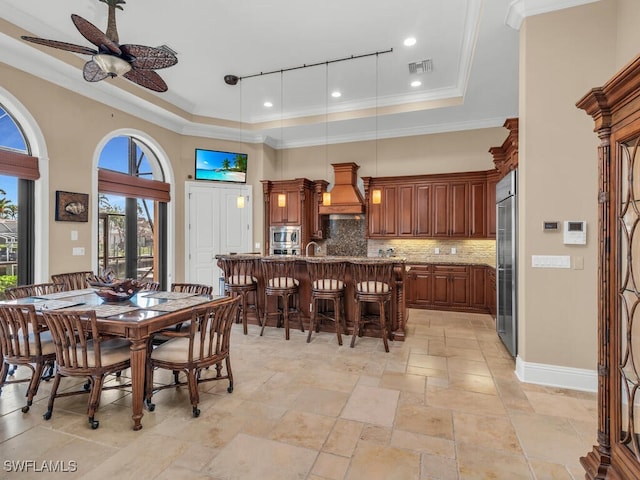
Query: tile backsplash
pixel 346 237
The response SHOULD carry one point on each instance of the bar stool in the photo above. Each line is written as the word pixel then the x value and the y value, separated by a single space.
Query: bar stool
pixel 372 284
pixel 240 279
pixel 279 281
pixel 327 283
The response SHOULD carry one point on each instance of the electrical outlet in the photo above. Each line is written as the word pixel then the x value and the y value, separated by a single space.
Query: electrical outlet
pixel 454 250
pixel 74 234
pixel 436 250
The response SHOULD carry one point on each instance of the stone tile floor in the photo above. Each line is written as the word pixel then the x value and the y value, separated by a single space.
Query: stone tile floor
pixel 444 404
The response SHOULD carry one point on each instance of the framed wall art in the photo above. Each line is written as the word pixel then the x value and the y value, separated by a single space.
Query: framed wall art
pixel 72 207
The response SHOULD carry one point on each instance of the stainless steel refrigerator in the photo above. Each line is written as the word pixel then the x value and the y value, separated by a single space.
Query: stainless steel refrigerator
pixel 506 261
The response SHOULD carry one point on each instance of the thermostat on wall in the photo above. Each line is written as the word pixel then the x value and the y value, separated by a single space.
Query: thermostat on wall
pixel 549 226
pixel 575 232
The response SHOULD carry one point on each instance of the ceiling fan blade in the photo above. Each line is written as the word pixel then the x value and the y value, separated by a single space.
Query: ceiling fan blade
pixel 147 78
pixel 92 72
pixel 95 35
pixel 149 58
pixel 70 47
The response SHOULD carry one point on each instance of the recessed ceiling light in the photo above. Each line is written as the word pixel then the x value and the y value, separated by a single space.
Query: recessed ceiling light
pixel 416 83
pixel 409 42
pixel 336 94
pixel 268 104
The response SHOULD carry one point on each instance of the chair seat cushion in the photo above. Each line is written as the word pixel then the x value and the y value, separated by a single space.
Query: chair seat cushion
pixel 282 282
pixel 176 350
pixel 242 280
pixel 46 342
pixel 112 351
pixel 372 287
pixel 327 284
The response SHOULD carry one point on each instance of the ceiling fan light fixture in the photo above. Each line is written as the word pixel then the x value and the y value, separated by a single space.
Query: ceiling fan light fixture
pixel 112 65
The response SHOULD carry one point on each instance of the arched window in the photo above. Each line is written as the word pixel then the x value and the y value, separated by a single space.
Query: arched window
pixel 18 170
pixel 132 215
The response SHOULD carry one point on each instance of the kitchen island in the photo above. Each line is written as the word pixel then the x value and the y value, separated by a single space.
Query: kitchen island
pixel 397 308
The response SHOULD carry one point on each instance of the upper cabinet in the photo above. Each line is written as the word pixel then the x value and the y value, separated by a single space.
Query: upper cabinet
pixel 428 206
pixel 290 202
pixel 505 157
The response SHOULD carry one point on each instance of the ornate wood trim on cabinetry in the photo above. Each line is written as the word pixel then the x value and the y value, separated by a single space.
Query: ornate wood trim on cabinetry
pixel 505 157
pixel 615 109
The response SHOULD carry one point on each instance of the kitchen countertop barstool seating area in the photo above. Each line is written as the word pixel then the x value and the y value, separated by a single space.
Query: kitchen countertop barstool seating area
pixel 327 283
pixel 372 284
pixel 280 282
pixel 240 279
pixel 24 342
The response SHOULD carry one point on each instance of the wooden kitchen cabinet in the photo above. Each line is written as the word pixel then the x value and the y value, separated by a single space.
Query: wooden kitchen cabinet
pixel 290 213
pixel 478 208
pixel 451 285
pixel 451 209
pixel 477 286
pixel 383 216
pixel 298 210
pixel 419 289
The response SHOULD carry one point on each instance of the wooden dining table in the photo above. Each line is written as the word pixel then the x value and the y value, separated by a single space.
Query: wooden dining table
pixel 135 319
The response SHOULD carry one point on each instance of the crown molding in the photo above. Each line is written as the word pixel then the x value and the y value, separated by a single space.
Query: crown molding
pixel 521 9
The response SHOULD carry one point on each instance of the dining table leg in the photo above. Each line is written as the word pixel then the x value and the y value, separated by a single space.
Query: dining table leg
pixel 138 360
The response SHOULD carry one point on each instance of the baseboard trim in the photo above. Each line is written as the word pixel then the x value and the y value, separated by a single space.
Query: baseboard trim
pixel 557 376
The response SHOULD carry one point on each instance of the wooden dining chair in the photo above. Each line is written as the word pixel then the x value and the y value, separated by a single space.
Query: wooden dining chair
pixel 204 345
pixel 33 290
pixel 82 352
pixel 24 341
pixel 73 280
pixel 197 288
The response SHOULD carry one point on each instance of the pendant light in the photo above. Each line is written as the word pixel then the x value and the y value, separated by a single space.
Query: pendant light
pixel 282 198
pixel 376 193
pixel 240 199
pixel 326 196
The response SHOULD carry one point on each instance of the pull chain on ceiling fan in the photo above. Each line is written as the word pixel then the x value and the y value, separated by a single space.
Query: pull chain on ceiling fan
pixel 134 62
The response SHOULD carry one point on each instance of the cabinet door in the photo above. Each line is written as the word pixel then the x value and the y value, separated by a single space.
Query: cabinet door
pixel 419 286
pixel 477 287
pixel 423 213
pixel 389 212
pixel 459 285
pixel 459 211
pixel 478 209
pixel 406 208
pixel 441 281
pixel 293 208
pixel 278 214
pixel 440 210
pixel 491 296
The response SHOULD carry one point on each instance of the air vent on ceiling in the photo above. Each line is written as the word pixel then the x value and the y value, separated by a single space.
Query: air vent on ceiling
pixel 421 67
pixel 168 49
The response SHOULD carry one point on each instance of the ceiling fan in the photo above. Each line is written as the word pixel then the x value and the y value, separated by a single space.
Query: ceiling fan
pixel 134 62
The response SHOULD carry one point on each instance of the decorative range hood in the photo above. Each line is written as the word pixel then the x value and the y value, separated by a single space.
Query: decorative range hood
pixel 345 194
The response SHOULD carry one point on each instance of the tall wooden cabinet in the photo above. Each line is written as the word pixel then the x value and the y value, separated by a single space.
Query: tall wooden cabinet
pixel 615 108
pixel 298 210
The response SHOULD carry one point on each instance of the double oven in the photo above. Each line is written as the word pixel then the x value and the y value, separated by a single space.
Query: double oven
pixel 285 240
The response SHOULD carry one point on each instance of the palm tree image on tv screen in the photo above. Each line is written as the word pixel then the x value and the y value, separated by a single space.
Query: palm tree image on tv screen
pixel 221 166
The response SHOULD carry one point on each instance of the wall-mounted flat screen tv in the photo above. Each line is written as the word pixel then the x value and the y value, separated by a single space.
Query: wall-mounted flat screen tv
pixel 221 166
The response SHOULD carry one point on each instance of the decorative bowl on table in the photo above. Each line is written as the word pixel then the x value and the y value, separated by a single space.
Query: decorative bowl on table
pixel 119 291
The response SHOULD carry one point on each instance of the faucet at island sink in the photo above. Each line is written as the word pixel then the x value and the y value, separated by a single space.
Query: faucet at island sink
pixel 306 249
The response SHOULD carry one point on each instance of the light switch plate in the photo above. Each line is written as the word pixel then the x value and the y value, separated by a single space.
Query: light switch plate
pixel 78 251
pixel 551 261
pixel 74 234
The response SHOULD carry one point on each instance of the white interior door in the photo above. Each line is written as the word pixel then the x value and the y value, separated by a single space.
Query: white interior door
pixel 215 224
